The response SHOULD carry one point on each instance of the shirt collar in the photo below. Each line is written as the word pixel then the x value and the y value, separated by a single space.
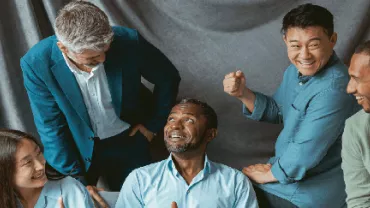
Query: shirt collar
pixel 171 166
pixel 333 58
pixel 51 190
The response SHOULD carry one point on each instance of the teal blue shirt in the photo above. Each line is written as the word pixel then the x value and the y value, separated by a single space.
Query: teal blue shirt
pixel 159 184
pixel 308 150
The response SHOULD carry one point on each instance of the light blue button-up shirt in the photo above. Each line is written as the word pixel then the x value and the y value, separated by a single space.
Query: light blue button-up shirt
pixel 74 194
pixel 159 184
pixel 308 150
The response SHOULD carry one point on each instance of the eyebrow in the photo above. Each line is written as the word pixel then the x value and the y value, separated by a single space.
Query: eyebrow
pixel 27 156
pixel 316 38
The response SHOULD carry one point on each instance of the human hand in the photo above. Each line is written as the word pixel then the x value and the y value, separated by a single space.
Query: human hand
pixel 234 84
pixel 60 202
pixel 174 205
pixel 260 173
pixel 93 191
pixel 139 127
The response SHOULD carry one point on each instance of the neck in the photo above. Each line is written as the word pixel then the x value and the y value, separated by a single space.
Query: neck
pixel 189 164
pixel 29 196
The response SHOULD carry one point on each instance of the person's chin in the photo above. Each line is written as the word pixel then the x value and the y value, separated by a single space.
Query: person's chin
pixel 40 181
pixel 366 108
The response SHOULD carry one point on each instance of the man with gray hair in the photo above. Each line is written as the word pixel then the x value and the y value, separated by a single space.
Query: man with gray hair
pixel 85 91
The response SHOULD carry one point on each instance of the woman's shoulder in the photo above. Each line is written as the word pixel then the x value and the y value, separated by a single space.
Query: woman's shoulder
pixel 70 185
pixel 74 193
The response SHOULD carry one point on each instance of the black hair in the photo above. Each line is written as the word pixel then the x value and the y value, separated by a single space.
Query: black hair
pixel 363 48
pixel 207 111
pixel 307 15
pixel 9 140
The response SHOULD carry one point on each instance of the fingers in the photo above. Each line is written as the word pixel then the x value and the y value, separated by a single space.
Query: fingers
pixel 231 84
pixel 60 202
pixel 174 205
pixel 239 74
pixel 229 75
pixel 93 191
pixel 134 130
pixel 234 83
pixel 257 168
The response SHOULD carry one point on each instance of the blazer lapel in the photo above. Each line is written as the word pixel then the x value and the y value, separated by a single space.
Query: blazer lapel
pixel 69 86
pixel 114 77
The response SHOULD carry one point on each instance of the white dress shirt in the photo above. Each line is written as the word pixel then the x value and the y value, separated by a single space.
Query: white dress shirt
pixel 96 95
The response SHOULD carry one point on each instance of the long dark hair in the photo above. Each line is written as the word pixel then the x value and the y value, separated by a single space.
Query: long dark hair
pixel 9 139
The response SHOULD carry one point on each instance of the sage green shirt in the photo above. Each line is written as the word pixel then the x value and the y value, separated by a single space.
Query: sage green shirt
pixel 356 159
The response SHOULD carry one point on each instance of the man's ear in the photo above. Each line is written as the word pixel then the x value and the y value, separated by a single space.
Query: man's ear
pixel 62 47
pixel 211 134
pixel 333 39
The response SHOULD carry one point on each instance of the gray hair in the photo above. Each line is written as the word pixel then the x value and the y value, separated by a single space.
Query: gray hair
pixel 81 25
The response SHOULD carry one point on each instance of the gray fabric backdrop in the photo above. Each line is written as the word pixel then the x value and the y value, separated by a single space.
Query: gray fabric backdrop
pixel 205 39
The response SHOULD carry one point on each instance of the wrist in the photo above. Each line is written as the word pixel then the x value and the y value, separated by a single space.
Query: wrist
pixel 247 96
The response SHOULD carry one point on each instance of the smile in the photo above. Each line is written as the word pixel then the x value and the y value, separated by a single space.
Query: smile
pixel 39 176
pixel 306 63
pixel 175 136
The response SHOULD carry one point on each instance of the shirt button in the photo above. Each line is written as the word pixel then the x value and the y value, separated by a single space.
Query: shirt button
pixel 300 83
pixel 188 191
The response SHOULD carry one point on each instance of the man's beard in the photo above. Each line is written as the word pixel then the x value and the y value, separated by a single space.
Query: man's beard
pixel 91 65
pixel 184 147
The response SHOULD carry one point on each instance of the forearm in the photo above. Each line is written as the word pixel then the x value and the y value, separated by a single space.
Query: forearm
pixel 265 109
pixel 248 98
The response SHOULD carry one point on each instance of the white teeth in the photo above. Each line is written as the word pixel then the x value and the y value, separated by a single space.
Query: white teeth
pixel 176 136
pixel 359 97
pixel 306 63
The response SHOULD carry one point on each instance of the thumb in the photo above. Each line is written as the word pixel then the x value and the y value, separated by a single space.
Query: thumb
pixel 60 202
pixel 174 205
pixel 239 74
pixel 134 130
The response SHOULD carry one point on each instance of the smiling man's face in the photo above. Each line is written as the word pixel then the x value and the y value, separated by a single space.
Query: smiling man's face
pixel 186 128
pixel 309 49
pixel 359 84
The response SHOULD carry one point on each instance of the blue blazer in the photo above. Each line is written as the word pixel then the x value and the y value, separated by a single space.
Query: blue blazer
pixel 57 104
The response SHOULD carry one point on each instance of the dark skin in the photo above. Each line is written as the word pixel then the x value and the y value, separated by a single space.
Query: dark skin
pixel 187 126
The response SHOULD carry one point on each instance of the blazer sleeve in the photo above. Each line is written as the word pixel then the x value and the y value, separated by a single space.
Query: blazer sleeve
pixel 158 69
pixel 59 148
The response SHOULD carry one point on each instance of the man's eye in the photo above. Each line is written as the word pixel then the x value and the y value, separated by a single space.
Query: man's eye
pixel 170 119
pixel 189 120
pixel 295 47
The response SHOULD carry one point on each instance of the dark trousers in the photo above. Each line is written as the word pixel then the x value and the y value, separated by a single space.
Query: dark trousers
pixel 267 200
pixel 115 157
